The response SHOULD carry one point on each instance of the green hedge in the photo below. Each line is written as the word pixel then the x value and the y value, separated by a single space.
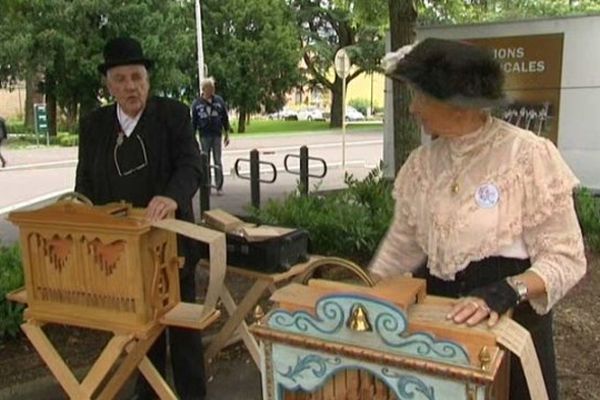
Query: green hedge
pixel 588 212
pixel 349 223
pixel 63 139
pixel 11 278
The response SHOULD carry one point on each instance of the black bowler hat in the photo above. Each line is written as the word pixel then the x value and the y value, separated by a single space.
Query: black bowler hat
pixel 123 51
pixel 455 72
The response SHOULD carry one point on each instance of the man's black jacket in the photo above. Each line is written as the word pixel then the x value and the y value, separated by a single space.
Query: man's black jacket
pixel 173 153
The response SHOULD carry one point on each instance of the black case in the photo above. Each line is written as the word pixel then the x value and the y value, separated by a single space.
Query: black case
pixel 272 255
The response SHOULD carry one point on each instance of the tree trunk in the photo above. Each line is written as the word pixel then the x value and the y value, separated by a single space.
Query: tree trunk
pixel 242 120
pixel 403 16
pixel 336 104
pixel 32 96
pixel 51 104
pixel 70 111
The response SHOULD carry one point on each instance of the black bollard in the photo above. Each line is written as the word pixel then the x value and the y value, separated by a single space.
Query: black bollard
pixel 204 183
pixel 304 170
pixel 254 178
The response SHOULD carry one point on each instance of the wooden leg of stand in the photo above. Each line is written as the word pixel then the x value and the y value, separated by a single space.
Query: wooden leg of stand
pixel 104 363
pixel 53 360
pixel 244 333
pixel 162 389
pixel 129 364
pixel 237 317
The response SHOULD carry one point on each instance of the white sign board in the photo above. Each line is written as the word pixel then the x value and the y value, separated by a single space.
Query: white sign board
pixel 342 63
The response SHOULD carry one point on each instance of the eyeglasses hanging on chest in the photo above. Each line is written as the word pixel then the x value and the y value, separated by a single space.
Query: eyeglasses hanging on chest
pixel 119 153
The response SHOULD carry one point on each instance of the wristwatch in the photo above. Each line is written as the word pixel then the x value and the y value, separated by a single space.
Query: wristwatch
pixel 519 287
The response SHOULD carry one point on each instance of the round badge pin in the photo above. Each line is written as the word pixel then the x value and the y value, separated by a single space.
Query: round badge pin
pixel 487 195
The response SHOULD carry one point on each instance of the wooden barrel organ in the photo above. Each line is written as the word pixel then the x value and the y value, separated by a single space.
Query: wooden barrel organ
pixel 331 340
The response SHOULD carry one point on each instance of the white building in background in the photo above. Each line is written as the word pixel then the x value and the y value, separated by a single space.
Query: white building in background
pixel 12 102
pixel 553 78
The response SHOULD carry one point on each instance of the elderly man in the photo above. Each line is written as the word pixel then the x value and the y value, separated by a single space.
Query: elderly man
pixel 210 119
pixel 142 150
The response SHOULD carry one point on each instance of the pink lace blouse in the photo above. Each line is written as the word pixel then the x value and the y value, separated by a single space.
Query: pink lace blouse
pixel 498 191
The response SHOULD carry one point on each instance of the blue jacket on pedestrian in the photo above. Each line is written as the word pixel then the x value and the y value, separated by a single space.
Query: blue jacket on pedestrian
pixel 210 118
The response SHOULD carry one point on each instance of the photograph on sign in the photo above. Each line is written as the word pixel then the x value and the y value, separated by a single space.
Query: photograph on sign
pixel 532 65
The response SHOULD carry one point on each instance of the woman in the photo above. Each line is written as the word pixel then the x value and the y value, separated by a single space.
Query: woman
pixel 485 211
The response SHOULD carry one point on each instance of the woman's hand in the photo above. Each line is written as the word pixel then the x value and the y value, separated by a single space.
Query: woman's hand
pixel 472 310
pixel 492 300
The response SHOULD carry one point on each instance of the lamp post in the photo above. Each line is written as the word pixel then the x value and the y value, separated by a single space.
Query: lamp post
pixel 199 42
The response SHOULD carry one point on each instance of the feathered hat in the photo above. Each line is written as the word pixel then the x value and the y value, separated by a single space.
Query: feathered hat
pixel 455 72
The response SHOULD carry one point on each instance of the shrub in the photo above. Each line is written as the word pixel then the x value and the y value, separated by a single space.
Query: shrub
pixel 361 105
pixel 68 140
pixel 17 127
pixel 348 223
pixel 11 278
pixel 588 212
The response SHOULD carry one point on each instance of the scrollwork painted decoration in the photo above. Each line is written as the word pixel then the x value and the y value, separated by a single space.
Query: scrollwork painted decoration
pixel 388 333
pixel 309 371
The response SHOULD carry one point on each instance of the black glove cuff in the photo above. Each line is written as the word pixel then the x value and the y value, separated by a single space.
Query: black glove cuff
pixel 499 296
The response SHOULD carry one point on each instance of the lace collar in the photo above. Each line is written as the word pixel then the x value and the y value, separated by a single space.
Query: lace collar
pixel 471 142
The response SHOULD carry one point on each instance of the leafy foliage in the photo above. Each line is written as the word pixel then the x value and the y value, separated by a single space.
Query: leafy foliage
pixel 11 277
pixel 327 26
pixel 348 224
pixel 254 52
pixel 360 104
pixel 588 212
pixel 476 11
pixel 62 41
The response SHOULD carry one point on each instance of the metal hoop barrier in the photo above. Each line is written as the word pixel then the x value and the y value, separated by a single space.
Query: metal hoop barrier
pixel 337 262
pixel 254 177
pixel 285 165
pixel 304 171
pixel 249 177
pixel 75 197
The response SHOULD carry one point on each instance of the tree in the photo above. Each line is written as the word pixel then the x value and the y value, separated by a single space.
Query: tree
pixel 326 27
pixel 403 18
pixel 62 41
pixel 252 51
pixel 475 11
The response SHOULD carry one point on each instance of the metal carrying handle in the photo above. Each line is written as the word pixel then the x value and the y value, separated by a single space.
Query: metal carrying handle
pixel 338 262
pixel 75 196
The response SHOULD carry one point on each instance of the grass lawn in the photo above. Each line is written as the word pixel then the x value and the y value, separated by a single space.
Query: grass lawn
pixel 256 127
pixel 275 127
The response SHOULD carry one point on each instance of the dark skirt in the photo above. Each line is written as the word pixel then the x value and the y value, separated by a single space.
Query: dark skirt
pixel 485 272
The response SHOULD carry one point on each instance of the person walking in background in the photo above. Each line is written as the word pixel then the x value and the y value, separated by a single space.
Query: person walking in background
pixel 3 137
pixel 210 119
pixel 142 150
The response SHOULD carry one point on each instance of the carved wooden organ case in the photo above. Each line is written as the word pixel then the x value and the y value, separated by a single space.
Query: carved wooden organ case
pixel 100 267
pixel 332 340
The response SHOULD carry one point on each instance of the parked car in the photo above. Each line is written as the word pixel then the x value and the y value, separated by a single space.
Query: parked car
pixel 352 114
pixel 311 114
pixel 285 114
